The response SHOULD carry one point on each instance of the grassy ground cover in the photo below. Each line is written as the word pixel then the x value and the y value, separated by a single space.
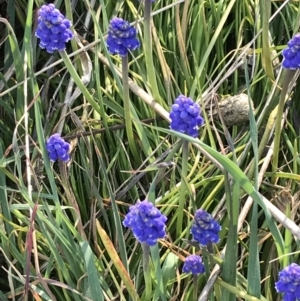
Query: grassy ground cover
pixel 61 234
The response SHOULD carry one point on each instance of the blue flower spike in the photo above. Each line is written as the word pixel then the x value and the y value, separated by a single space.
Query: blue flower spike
pixel 147 223
pixel 291 54
pixel 53 29
pixel 205 229
pixel 121 37
pixel 58 148
pixel 185 116
pixel 193 264
pixel 289 283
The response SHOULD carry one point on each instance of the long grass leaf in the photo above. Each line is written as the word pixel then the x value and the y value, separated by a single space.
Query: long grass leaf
pixel 241 178
pixel 253 272
pixel 211 44
pixel 94 284
pixel 111 251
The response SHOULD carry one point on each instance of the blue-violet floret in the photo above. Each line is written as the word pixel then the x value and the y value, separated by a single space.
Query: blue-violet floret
pixel 289 283
pixel 205 229
pixel 121 37
pixel 58 148
pixel 53 29
pixel 193 264
pixel 148 224
pixel 291 54
pixel 185 116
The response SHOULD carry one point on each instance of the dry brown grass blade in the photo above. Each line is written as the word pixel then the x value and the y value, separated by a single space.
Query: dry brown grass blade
pixel 111 251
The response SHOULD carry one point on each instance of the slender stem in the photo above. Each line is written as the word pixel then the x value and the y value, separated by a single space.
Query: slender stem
pixel 210 248
pixel 127 113
pixel 288 77
pixel 288 237
pixel 195 291
pixel 148 51
pixel 147 272
pixel 183 188
pixel 208 264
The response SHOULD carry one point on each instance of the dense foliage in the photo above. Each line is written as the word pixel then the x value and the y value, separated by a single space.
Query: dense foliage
pixel 86 91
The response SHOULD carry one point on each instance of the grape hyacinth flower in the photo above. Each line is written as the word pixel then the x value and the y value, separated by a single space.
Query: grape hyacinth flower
pixel 289 282
pixel 121 37
pixel 193 264
pixel 185 116
pixel 148 224
pixel 205 229
pixel 53 29
pixel 291 54
pixel 58 148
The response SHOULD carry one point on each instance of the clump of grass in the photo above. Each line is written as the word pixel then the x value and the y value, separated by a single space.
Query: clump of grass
pixel 62 236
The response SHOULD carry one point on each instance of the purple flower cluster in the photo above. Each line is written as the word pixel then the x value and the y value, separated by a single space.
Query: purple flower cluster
pixel 291 54
pixel 205 229
pixel 121 37
pixel 193 264
pixel 58 148
pixel 185 116
pixel 289 282
pixel 148 224
pixel 53 29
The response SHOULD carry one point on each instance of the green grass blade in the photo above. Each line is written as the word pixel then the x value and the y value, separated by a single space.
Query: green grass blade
pixel 229 266
pixel 160 291
pixel 243 181
pixel 253 273
pixel 210 46
pixel 117 262
pixel 93 278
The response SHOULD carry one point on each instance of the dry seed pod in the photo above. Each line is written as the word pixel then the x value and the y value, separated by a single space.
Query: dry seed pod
pixel 234 109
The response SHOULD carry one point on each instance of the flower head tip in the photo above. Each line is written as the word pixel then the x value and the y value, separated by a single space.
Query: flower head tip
pixel 58 148
pixel 121 37
pixel 148 224
pixel 205 229
pixel 53 29
pixel 185 116
pixel 289 282
pixel 193 264
pixel 291 54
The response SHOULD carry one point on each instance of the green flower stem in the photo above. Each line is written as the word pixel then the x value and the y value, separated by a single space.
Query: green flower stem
pixel 147 272
pixel 127 114
pixel 195 290
pixel 288 237
pixel 183 188
pixel 79 82
pixel 287 79
pixel 148 51
pixel 210 248
pixel 207 256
